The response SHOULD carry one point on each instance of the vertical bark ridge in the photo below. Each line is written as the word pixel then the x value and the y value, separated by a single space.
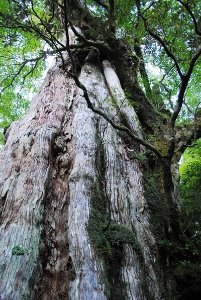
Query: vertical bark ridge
pixel 128 204
pixel 25 168
pixel 57 266
pixel 128 207
pixel 87 284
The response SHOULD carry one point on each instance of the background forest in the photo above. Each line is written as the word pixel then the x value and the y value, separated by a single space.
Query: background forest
pixel 165 40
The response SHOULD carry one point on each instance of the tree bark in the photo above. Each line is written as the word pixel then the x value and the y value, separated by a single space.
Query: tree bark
pixel 75 219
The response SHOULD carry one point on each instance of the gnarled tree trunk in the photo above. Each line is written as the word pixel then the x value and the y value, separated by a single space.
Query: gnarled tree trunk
pixel 75 219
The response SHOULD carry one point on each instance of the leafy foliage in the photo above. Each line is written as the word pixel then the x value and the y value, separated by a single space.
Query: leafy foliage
pixel 25 29
pixel 156 24
pixel 187 268
pixel 18 70
pixel 190 189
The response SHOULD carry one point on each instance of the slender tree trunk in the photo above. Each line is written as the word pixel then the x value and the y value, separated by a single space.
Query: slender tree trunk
pixel 75 219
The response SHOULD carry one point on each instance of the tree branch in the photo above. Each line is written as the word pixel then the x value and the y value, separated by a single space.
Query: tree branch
pixel 88 101
pixel 114 125
pixel 32 60
pixel 111 16
pixel 46 27
pixel 183 87
pixel 159 39
pixel 142 69
pixel 197 31
pixel 102 4
pixel 22 66
pixel 102 46
pixel 184 77
pixel 186 135
pixel 96 44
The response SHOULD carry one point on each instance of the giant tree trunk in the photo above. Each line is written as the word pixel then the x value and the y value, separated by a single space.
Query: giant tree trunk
pixel 75 222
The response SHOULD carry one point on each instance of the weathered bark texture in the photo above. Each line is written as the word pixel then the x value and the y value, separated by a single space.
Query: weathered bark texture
pixel 75 223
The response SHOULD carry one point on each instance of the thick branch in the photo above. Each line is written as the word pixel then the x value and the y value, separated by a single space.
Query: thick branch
pixel 97 44
pixel 119 53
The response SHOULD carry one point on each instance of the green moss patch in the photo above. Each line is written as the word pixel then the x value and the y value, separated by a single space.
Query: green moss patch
pixel 18 250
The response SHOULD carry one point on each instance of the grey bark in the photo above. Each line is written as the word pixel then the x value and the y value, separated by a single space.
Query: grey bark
pixel 48 176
